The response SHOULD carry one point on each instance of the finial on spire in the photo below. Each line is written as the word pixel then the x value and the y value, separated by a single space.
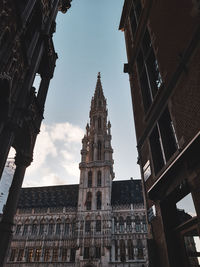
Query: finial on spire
pixel 99 75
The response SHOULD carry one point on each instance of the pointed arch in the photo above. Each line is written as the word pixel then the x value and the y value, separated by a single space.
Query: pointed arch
pixel 88 202
pixel 87 225
pixel 90 179
pixel 121 224
pixel 99 200
pixel 99 150
pixel 99 178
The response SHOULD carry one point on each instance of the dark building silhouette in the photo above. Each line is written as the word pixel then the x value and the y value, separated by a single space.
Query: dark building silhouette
pixel 26 50
pixel 163 50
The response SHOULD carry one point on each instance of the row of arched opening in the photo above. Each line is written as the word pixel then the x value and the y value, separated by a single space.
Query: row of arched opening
pixel 133 251
pixel 88 202
pixel 138 224
pixel 98 182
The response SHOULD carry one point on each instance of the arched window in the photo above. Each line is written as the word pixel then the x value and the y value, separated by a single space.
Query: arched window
pixel 128 223
pixel 116 250
pixel 58 227
pixel 88 201
pixel 26 225
pixel 99 123
pixel 67 227
pixel 122 251
pixel 98 200
pixel 41 229
pixel 121 224
pixel 115 224
pixel 137 224
pixel 99 148
pixel 87 225
pixel 99 178
pixel 51 227
pixel 98 224
pixel 89 179
pixel 74 227
pixel 34 228
pixel 130 250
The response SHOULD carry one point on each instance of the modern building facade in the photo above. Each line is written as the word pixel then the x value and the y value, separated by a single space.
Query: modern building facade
pixel 163 51
pixel 98 222
pixel 26 51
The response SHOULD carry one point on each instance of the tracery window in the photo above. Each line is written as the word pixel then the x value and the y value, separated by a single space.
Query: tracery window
pixel 73 227
pixel 55 254
pixel 128 223
pixel 98 225
pixel 58 227
pixel 88 201
pixel 98 200
pixel 122 251
pixel 137 224
pixel 67 228
pixel 130 250
pixel 41 229
pixel 121 224
pixel 46 254
pixel 51 227
pixel 87 226
pixel 99 150
pixel 89 179
pixel 25 230
pixel 34 228
pixel 99 178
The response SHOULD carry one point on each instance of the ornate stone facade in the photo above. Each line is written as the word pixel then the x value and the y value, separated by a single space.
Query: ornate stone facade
pixel 99 222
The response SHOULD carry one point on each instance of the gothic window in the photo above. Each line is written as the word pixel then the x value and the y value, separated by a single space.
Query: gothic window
pixel 55 254
pixel 72 254
pixel 122 251
pixel 64 254
pixel 29 255
pixel 73 227
pixel 116 250
pixel 99 123
pixel 67 228
pixel 20 255
pixel 97 252
pixel 144 224
pixel 98 225
pixel 88 201
pixel 58 227
pixel 34 228
pixel 128 223
pixel 163 141
pixel 121 224
pixel 99 150
pixel 89 179
pixel 115 224
pixel 18 228
pixel 13 254
pixel 25 230
pixel 99 178
pixel 87 226
pixel 46 254
pixel 51 228
pixel 140 249
pixel 130 250
pixel 86 253
pixel 41 229
pixel 137 224
pixel 98 200
pixel 37 254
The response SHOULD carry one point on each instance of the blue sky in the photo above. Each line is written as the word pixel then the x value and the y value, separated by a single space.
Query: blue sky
pixel 87 41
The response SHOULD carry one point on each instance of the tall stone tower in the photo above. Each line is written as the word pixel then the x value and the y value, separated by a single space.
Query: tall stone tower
pixel 96 175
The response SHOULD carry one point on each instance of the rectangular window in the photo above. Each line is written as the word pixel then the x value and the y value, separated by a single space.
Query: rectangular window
pixel 20 255
pixel 86 253
pixel 55 254
pixel 163 141
pixel 72 254
pixel 147 170
pixel 97 252
pixel 64 254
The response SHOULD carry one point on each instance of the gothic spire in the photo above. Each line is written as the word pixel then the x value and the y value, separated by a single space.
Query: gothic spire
pixel 98 94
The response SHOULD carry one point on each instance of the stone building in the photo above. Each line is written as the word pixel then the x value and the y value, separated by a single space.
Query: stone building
pixel 98 222
pixel 163 51
pixel 26 51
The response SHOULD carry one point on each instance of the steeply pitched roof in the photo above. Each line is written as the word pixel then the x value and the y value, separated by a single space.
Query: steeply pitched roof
pixel 49 196
pixel 126 192
pixel 123 192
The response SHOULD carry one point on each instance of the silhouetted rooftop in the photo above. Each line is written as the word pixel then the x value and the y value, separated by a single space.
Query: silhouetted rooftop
pixel 123 192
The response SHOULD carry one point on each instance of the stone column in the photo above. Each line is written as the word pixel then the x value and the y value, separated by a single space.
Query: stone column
pixel 6 224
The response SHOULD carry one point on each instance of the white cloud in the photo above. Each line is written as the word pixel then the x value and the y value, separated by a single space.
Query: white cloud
pixel 56 155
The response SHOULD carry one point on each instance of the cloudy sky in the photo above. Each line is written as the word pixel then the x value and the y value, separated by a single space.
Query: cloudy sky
pixel 87 41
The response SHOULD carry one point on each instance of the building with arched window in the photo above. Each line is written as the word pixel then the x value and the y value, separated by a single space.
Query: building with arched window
pixel 98 222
